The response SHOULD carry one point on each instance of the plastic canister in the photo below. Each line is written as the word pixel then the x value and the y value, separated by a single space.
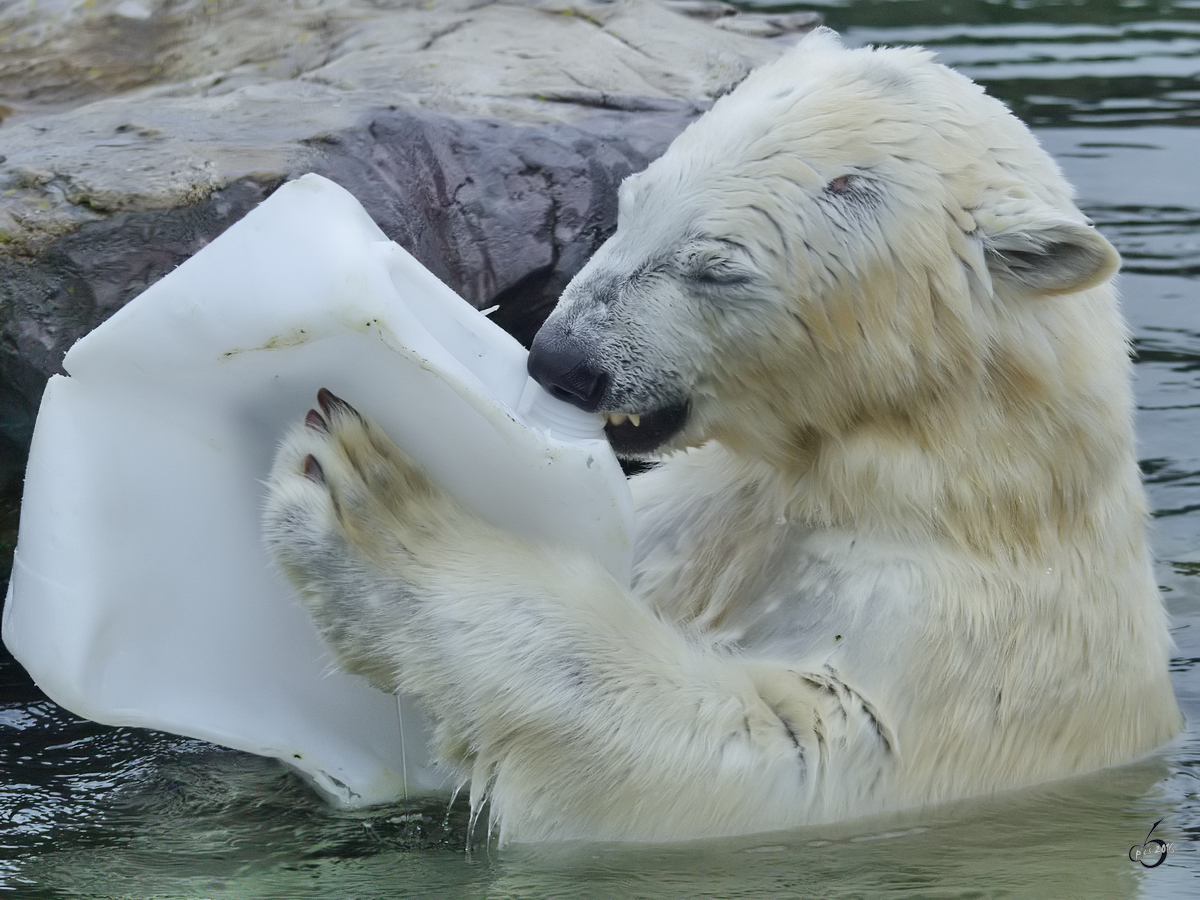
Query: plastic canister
pixel 142 593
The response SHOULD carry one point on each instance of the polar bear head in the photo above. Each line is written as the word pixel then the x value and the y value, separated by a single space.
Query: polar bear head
pixel 850 235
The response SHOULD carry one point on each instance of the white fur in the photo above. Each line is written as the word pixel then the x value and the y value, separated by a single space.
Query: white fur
pixel 903 559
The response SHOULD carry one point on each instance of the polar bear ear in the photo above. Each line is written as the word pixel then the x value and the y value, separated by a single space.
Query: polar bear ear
pixel 1046 253
pixel 821 37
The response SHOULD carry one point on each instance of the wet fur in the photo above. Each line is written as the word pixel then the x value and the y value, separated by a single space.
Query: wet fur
pixel 899 556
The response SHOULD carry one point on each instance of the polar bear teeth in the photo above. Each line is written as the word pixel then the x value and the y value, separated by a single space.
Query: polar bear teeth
pixel 621 418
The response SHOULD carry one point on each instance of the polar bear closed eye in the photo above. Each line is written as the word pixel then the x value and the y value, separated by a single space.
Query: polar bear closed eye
pixel 898 554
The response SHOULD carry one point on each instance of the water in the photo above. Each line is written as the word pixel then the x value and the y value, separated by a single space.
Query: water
pixel 1113 90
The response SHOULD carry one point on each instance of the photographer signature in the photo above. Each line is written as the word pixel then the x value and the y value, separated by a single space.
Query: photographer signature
pixel 1151 848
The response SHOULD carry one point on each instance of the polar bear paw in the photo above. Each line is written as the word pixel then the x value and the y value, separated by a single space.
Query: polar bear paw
pixel 350 517
pixel 339 483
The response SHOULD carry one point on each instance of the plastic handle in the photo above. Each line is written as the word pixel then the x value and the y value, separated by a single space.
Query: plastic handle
pixel 560 419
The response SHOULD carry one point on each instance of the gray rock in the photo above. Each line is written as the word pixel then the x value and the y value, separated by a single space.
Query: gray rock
pixel 487 138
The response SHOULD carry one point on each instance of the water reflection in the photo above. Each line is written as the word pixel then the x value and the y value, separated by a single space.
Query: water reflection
pixel 96 811
pixel 1113 89
pixel 1069 841
pixel 1118 63
pixel 197 821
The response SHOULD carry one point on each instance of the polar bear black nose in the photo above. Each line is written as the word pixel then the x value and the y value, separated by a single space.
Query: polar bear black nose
pixel 559 363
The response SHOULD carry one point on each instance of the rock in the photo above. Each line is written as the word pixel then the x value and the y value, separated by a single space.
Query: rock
pixel 487 138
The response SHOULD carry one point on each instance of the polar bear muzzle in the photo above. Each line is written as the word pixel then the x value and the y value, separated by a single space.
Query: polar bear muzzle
pixel 561 364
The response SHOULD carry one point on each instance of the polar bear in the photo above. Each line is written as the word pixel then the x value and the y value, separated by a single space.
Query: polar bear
pixel 894 553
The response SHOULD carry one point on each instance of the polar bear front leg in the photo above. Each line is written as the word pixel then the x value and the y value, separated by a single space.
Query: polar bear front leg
pixel 340 499
pixel 559 694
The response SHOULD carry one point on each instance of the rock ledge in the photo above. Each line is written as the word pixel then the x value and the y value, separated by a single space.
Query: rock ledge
pixel 487 138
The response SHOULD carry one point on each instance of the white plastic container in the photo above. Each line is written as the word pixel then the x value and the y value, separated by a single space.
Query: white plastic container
pixel 141 591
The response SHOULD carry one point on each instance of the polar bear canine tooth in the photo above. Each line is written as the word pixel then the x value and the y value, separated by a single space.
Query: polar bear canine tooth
pixel 622 418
